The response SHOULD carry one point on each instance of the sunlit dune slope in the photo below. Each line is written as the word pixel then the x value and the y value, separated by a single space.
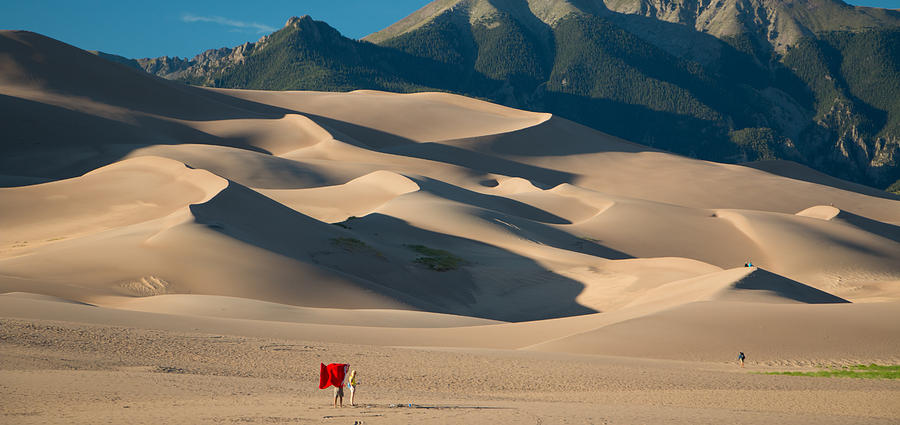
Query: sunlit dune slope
pixel 424 219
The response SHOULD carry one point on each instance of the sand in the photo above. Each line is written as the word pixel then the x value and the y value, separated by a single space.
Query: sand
pixel 192 254
pixel 59 372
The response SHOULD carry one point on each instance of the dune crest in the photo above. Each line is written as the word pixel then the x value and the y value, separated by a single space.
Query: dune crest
pixel 382 119
pixel 356 198
pixel 425 219
pixel 822 212
pixel 276 136
pixel 121 194
pixel 744 284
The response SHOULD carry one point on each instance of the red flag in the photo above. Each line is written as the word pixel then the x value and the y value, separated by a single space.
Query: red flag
pixel 333 374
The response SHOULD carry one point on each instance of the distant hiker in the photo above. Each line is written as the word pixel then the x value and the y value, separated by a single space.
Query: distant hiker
pixel 741 358
pixel 334 374
pixel 352 385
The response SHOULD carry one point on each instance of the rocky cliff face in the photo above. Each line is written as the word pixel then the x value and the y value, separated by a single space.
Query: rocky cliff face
pixel 838 142
pixel 780 23
pixel 170 67
pixel 201 68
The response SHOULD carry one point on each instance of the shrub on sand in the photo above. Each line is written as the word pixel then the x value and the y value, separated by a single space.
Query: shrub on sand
pixel 436 259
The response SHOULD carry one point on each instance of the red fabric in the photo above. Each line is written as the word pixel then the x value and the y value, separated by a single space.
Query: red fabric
pixel 333 374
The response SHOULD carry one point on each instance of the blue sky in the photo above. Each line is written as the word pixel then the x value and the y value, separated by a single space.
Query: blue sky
pixel 892 4
pixel 184 28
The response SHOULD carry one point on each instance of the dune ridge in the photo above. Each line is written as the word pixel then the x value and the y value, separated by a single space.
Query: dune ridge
pixel 426 219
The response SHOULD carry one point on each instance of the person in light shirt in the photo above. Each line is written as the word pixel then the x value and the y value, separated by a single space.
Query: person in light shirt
pixel 352 385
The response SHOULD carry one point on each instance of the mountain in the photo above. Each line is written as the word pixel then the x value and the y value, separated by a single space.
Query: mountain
pixel 813 81
pixel 307 55
pixel 779 23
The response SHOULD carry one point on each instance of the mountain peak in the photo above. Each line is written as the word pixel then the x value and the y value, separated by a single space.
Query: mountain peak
pixel 309 29
pixel 299 22
pixel 531 13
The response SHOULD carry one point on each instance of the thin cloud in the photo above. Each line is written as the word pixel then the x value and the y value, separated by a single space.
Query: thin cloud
pixel 260 28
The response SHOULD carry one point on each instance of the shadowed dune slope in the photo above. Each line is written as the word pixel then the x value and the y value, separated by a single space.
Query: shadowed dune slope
pixel 34 62
pixel 797 171
pixel 423 219
pixel 67 111
pixel 746 284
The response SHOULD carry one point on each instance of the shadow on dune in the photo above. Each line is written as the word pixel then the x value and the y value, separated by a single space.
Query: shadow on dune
pixel 61 68
pixel 764 280
pixel 47 141
pixel 383 263
pixel 555 137
pixel 504 286
pixel 249 168
pixel 484 163
pixel 44 141
pixel 72 144
pixel 796 171
pixel 361 136
pixel 51 142
pixel 879 228
pixel 631 122
pixel 489 202
pixel 530 222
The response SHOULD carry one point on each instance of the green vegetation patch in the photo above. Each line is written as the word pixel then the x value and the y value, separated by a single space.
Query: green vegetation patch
pixel 871 371
pixel 756 143
pixel 437 259
pixel 346 223
pixel 894 188
pixel 355 245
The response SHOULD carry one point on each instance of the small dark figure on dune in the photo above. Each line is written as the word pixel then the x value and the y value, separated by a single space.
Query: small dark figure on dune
pixel 741 358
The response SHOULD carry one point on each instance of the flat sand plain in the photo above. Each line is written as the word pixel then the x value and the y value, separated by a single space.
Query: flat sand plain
pixel 60 372
pixel 178 254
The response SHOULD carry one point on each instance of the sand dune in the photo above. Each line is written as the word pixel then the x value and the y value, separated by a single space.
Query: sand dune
pixel 275 136
pixel 833 256
pixel 381 119
pixel 822 212
pixel 427 220
pixel 558 151
pixel 747 284
pixel 355 198
pixel 162 230
pixel 114 196
pixel 797 171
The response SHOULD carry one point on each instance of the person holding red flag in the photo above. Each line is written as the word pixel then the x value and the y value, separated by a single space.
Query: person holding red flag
pixel 334 374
